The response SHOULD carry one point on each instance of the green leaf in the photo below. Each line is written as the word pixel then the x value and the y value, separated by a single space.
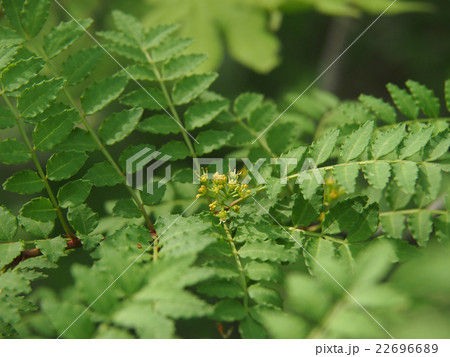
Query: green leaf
pixel 442 225
pixel 438 146
pixel 425 99
pixel 13 11
pixel 321 149
pixel 9 251
pixel 7 119
pixel 263 295
pixel 90 241
pixel 346 176
pixel 74 193
pixel 119 125
pixel 140 72
pixel 414 142
pixel 8 225
pixel 393 224
pixel 79 140
pixel 265 251
pixel 382 110
pixel 388 141
pixel 421 226
pixel 430 177
pixel 173 240
pixel 35 228
pixel 21 72
pixel 246 103
pixel 211 140
pixel 342 215
pixel 249 328
pixel 175 303
pixel 229 311
pixel 177 150
pixel 34 16
pixel 357 142
pixel 82 218
pixel 364 224
pixel 103 174
pixel 170 48
pixel 405 174
pixel 64 165
pixel 181 66
pixel 129 52
pixel 53 249
pixel 262 271
pixel 191 87
pixel 9 37
pixel 157 34
pixel 157 195
pixel 377 174
pixel 126 208
pixel 99 94
pixel 39 97
pixel 129 25
pixel 305 211
pixel 145 321
pixel 159 124
pixel 201 114
pixel 13 152
pixel 263 116
pixel 39 209
pixel 54 129
pixel 404 102
pixel 79 65
pixel 25 182
pixel 221 289
pixel 7 54
pixel 64 35
pixel 150 98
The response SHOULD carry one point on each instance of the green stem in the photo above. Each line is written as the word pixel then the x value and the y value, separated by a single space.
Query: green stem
pixel 409 122
pixel 99 143
pixel 238 264
pixel 42 175
pixel 170 103
pixel 412 211
pixel 366 162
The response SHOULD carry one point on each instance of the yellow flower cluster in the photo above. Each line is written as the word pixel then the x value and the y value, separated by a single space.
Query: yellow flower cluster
pixel 223 191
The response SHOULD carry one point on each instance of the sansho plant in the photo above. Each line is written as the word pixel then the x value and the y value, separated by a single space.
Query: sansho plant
pixel 254 263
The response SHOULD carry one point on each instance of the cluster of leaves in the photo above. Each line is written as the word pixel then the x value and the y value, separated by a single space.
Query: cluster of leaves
pixel 204 269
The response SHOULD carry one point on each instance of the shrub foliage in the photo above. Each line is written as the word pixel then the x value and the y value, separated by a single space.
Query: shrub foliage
pixel 275 264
